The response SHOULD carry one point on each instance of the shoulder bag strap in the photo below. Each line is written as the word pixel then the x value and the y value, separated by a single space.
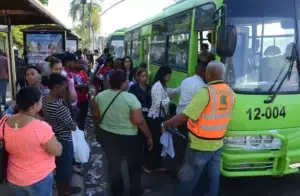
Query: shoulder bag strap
pixel 161 108
pixel 112 101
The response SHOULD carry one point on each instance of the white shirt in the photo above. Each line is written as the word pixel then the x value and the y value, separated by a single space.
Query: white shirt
pixel 159 96
pixel 188 88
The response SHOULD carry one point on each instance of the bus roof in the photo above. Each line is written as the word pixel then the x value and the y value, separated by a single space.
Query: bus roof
pixel 173 9
pixel 118 32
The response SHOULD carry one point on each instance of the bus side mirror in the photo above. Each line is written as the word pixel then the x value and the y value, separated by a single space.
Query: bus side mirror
pixel 226 40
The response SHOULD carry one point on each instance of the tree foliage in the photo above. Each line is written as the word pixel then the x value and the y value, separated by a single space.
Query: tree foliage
pixel 17 35
pixel 87 17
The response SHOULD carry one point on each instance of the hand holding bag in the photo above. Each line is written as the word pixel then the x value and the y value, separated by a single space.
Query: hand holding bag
pixel 3 154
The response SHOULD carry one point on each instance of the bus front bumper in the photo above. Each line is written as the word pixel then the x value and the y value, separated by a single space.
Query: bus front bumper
pixel 261 153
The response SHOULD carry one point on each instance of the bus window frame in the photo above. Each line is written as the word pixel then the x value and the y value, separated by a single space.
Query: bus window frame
pixel 146 39
pixel 185 70
pixel 166 35
pixel 205 27
pixel 165 43
pixel 126 48
pixel 138 49
pixel 188 13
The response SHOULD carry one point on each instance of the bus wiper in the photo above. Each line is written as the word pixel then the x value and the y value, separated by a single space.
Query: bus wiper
pixel 287 75
pixel 279 75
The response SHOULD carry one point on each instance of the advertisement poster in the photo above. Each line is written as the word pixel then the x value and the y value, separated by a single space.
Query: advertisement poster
pixel 40 46
pixel 71 46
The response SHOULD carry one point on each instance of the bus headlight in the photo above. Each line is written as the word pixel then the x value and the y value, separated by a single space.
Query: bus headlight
pixel 262 142
pixel 257 142
pixel 235 141
pixel 254 140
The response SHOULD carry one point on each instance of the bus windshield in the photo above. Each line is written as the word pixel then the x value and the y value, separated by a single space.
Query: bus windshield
pixel 266 35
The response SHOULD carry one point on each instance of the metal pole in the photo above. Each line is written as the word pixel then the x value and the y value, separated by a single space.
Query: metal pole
pixel 83 17
pixel 11 60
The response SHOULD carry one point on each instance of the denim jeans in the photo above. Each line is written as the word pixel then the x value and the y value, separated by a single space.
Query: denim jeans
pixel 41 188
pixel 64 163
pixel 194 163
pixel 83 112
pixel 3 89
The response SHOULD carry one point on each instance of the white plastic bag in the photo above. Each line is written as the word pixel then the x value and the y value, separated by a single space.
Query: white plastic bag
pixel 81 147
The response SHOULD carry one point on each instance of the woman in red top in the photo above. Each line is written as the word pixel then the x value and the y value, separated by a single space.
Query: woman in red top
pixel 101 74
pixel 82 89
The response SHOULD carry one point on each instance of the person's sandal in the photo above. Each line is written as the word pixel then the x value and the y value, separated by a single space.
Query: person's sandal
pixel 73 190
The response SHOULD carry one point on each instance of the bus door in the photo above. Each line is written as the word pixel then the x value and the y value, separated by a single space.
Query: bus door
pixel 206 40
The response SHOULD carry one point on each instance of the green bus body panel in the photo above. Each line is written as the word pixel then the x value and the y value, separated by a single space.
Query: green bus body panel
pixel 240 118
pixel 146 30
pixel 173 10
pixel 245 120
pixel 289 153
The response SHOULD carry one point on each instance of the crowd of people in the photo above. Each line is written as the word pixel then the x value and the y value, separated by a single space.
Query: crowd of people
pixel 130 127
pixel 38 133
pixel 130 115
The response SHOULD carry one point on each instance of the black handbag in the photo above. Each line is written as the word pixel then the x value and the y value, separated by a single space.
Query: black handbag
pixel 163 117
pixel 3 154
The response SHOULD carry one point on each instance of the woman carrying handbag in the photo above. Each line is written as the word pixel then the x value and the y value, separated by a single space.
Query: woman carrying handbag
pixel 158 113
pixel 118 117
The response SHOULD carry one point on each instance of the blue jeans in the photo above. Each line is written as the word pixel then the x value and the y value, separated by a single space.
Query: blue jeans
pixel 41 188
pixel 3 89
pixel 194 163
pixel 64 163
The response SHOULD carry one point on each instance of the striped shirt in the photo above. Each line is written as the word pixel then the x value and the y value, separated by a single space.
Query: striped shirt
pixel 59 117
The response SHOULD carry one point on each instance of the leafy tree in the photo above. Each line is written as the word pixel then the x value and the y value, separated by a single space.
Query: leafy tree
pixel 88 17
pixel 18 35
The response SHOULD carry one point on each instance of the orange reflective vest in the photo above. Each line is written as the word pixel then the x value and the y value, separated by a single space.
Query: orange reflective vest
pixel 213 121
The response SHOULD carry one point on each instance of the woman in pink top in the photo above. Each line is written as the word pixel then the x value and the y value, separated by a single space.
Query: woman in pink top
pixel 31 145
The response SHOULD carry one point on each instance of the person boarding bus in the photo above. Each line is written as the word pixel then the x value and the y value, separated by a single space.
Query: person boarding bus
pixel 207 117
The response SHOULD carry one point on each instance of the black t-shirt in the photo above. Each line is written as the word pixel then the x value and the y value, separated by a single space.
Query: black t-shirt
pixel 144 97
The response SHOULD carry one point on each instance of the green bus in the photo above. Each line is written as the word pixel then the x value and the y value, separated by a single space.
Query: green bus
pixel 115 43
pixel 258 42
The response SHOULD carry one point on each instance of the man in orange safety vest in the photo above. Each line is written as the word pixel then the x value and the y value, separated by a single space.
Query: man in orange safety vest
pixel 207 117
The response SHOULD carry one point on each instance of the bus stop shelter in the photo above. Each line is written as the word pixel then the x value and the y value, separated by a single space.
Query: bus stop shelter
pixel 22 12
